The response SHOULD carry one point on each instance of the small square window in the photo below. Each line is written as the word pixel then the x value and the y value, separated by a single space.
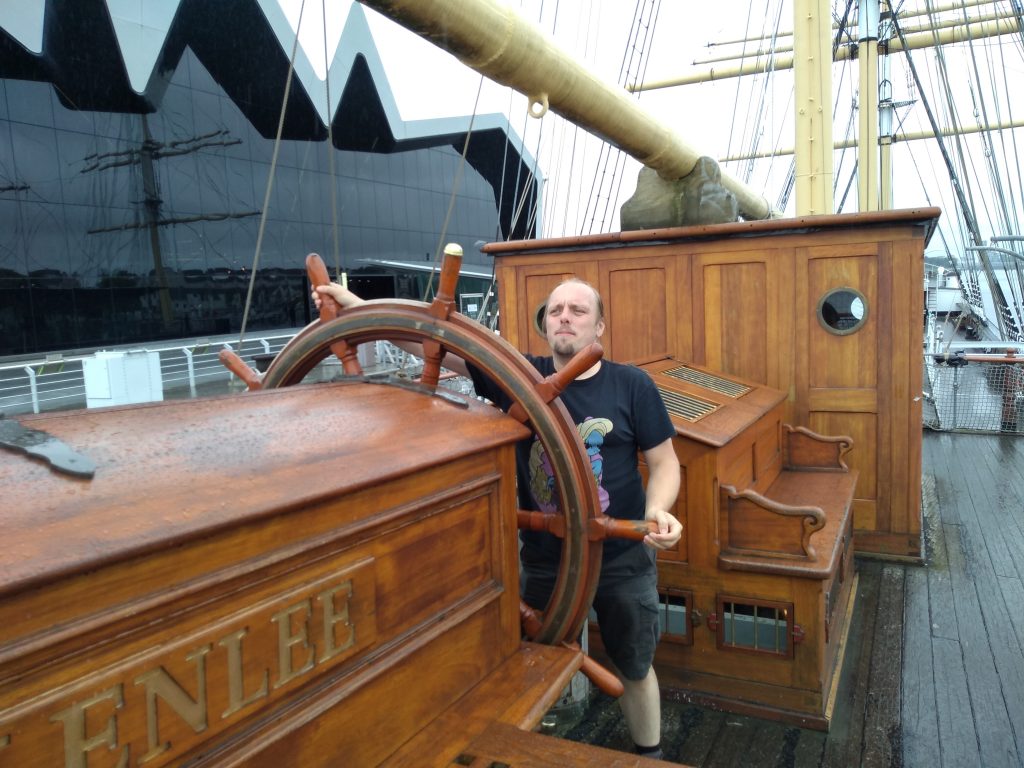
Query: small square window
pixel 760 627
pixel 676 616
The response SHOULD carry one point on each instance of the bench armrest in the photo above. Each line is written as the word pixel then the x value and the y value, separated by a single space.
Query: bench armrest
pixel 754 524
pixel 807 450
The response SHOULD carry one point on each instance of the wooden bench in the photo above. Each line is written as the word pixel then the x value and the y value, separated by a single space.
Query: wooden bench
pixel 797 526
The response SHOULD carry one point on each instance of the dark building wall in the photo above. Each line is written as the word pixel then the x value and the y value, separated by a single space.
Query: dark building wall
pixel 126 227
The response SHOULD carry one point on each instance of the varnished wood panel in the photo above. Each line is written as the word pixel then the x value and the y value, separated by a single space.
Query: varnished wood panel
pixel 649 330
pixel 735 332
pixel 849 361
pixel 206 621
pixel 862 427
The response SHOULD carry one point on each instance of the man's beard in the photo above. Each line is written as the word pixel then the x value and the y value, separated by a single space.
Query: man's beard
pixel 564 346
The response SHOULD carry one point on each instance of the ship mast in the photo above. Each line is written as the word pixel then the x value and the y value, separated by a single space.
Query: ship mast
pixel 812 44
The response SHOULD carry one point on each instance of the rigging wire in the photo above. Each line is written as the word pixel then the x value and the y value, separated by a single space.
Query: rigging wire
pixel 270 178
pixel 456 183
pixel 964 207
pixel 338 272
pixel 764 103
pixel 643 56
pixel 635 56
pixel 989 151
pixel 739 83
pixel 1014 224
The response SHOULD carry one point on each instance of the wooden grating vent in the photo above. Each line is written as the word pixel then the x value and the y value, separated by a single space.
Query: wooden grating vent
pixel 685 406
pixel 708 381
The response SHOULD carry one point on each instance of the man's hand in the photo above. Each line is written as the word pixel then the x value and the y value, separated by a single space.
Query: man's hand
pixel 670 530
pixel 343 296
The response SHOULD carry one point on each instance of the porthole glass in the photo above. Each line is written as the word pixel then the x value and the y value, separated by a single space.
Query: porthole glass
pixel 842 311
pixel 538 318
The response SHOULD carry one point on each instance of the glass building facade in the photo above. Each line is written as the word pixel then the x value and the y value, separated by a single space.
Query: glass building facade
pixel 122 227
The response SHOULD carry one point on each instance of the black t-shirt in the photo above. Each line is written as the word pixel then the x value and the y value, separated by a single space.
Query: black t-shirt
pixel 618 411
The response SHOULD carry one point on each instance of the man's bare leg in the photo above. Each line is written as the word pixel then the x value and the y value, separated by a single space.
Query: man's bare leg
pixel 641 706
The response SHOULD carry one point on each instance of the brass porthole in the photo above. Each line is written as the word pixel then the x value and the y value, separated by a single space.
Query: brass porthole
pixel 842 311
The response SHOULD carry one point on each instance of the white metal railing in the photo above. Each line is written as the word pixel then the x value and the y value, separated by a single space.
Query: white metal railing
pixel 191 369
pixel 58 382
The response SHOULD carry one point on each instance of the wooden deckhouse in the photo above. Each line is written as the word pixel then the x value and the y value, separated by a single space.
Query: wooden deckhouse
pixel 765 338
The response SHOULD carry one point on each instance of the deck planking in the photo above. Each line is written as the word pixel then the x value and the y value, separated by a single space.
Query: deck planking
pixel 934 671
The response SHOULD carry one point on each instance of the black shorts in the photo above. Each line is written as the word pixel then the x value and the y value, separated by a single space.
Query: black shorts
pixel 626 604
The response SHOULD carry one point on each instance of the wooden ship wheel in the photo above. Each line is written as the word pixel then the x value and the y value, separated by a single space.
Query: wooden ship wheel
pixel 441 330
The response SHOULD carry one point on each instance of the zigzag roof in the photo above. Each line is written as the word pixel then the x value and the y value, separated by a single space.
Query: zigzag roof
pixel 119 56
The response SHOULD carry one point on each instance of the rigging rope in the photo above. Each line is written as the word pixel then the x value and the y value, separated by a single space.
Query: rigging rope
pixel 634 60
pixel 456 183
pixel 270 178
pixel 338 273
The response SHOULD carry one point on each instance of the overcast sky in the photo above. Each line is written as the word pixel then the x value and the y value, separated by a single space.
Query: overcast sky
pixel 714 118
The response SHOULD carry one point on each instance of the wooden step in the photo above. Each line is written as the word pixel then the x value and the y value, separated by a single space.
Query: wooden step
pixel 505 745
pixel 518 694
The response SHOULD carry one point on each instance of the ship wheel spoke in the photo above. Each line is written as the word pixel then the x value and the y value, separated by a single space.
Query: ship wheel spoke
pixel 439 329
pixel 316 270
pixel 231 360
pixel 553 385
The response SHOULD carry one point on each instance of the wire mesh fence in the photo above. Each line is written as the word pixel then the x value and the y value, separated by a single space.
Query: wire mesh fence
pixel 968 394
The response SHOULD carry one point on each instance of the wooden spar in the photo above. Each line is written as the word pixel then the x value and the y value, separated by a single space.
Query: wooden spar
pixel 759 65
pixel 494 40
pixel 959 5
pixel 904 136
pixel 910 29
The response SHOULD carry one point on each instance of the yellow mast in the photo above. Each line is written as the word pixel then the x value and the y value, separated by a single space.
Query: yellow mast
pixel 812 45
pixel 867 112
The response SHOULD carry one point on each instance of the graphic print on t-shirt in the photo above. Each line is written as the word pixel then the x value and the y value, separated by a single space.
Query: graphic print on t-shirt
pixel 542 481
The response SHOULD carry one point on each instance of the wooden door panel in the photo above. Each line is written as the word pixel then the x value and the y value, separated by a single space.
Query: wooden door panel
pixel 642 301
pixel 837 376
pixel 735 334
pixel 847 400
pixel 843 360
pixel 863 429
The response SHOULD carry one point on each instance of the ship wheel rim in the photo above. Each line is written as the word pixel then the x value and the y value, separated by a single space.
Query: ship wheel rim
pixel 397 320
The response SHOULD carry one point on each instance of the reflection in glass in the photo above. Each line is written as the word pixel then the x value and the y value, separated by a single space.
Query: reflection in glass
pixel 124 228
pixel 842 311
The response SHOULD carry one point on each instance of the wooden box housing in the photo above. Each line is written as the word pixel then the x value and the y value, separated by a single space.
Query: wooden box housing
pixel 318 575
pixel 767 518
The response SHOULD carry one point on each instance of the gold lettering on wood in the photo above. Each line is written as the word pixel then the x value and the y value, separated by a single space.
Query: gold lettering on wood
pixel 308 620
pixel 286 641
pixel 77 742
pixel 193 711
pixel 236 669
pixel 334 615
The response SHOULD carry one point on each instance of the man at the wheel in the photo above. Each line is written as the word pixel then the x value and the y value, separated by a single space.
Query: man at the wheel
pixel 619 413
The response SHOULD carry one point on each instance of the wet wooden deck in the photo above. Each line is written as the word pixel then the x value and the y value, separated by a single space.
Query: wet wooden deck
pixel 934 673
